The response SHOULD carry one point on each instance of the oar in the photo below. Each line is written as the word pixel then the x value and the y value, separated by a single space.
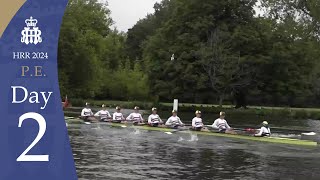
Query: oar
pixel 110 122
pixel 166 132
pixel 309 134
pixel 123 126
pixel 245 129
pixel 237 129
pixel 66 118
pixel 176 130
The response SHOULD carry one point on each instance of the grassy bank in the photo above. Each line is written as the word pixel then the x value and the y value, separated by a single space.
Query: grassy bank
pixel 252 111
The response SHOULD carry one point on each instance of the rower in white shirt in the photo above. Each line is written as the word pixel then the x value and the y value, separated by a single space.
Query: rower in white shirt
pixel 103 114
pixel 264 130
pixel 118 116
pixel 87 114
pixel 135 117
pixel 154 119
pixel 174 121
pixel 221 124
pixel 197 122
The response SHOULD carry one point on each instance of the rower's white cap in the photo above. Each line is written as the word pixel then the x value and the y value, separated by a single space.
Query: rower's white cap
pixel 118 108
pixel 265 122
pixel 154 109
pixel 198 112
pixel 222 113
pixel 87 103
pixel 103 105
pixel 136 107
pixel 174 111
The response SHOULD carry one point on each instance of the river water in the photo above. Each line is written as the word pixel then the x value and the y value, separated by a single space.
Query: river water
pixel 102 152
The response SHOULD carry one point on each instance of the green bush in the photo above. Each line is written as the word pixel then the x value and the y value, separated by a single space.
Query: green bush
pixel 78 102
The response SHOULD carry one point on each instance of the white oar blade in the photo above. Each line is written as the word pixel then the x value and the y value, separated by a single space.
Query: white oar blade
pixel 309 134
pixel 69 118
pixel 87 123
pixel 168 133
pixel 123 126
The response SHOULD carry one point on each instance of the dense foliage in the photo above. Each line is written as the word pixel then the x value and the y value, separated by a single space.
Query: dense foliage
pixel 202 51
pixel 91 59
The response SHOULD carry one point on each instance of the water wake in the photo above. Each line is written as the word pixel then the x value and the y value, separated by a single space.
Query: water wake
pixel 193 137
pixel 180 139
pixel 136 132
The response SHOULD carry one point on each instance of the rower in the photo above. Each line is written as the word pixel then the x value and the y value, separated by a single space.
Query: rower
pixel 103 114
pixel 264 130
pixel 221 124
pixel 135 117
pixel 87 114
pixel 174 121
pixel 197 124
pixel 118 116
pixel 154 119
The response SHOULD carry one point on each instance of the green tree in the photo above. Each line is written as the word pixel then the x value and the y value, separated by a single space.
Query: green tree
pixel 146 27
pixel 182 34
pixel 223 68
pixel 81 45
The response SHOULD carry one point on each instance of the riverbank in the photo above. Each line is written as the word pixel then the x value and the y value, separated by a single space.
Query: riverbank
pixel 260 112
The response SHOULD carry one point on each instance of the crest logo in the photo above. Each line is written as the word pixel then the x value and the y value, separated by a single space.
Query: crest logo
pixel 31 34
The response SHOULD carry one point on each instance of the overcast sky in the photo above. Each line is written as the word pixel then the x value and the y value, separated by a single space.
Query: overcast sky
pixel 126 13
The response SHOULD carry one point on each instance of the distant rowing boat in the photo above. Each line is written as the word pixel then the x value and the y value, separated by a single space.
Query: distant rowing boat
pixel 211 133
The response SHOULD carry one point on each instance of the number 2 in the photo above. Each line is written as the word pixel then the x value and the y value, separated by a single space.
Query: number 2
pixel 42 129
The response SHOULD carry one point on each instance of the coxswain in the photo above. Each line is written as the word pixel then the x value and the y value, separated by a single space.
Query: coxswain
pixel 174 121
pixel 221 124
pixel 154 119
pixel 87 114
pixel 197 122
pixel 103 114
pixel 118 116
pixel 135 117
pixel 264 130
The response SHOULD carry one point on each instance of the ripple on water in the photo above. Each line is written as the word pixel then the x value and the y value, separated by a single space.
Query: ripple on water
pixel 114 153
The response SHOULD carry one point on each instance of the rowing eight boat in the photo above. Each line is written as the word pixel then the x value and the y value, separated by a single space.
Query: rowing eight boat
pixel 211 133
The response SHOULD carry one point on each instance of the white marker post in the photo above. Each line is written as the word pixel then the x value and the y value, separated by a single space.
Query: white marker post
pixel 175 104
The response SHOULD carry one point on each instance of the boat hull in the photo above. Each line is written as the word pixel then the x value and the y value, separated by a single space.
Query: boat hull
pixel 277 140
